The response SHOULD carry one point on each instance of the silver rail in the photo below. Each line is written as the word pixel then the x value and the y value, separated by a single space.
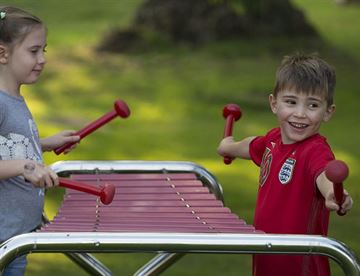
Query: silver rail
pixel 180 243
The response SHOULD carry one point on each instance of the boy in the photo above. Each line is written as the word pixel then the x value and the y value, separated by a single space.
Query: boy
pixel 294 195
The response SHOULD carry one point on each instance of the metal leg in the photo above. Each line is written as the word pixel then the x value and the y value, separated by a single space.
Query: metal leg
pixel 158 264
pixel 89 263
pixel 86 261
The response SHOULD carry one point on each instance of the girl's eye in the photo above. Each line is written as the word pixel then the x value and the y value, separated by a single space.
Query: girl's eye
pixel 314 105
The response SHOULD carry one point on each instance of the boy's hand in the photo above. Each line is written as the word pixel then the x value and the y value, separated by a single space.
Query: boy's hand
pixel 330 202
pixel 223 146
pixel 228 147
pixel 63 137
pixel 39 175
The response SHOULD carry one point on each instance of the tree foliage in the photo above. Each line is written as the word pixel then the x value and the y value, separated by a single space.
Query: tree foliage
pixel 201 21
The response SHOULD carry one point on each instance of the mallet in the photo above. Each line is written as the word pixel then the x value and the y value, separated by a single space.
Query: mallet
pixel 337 171
pixel 231 113
pixel 106 192
pixel 120 109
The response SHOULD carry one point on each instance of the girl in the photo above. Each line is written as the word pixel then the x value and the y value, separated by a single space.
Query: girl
pixel 23 177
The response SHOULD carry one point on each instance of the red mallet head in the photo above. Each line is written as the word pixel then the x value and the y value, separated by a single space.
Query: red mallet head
pixel 121 108
pixel 107 194
pixel 232 109
pixel 336 171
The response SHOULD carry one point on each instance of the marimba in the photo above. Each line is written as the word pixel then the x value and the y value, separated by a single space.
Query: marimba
pixel 168 207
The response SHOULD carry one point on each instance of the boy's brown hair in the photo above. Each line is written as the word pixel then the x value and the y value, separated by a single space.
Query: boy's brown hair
pixel 307 74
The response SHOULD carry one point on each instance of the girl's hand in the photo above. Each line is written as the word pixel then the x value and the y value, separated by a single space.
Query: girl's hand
pixel 57 140
pixel 39 175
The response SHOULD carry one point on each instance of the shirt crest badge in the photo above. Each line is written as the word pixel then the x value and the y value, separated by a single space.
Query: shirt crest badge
pixel 286 171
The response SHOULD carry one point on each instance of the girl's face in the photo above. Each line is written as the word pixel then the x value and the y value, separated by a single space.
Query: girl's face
pixel 299 115
pixel 26 59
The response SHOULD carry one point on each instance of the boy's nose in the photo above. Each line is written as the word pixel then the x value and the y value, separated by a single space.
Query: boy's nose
pixel 300 111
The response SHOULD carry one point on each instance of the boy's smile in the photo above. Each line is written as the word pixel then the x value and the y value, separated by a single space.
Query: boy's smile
pixel 299 115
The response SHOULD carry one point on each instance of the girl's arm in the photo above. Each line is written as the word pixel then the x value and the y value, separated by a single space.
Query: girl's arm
pixel 37 174
pixel 229 147
pixel 11 168
pixel 57 140
pixel 326 188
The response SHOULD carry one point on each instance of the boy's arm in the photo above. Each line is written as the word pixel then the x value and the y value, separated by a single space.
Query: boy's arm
pixel 326 188
pixel 229 147
pixel 57 140
pixel 37 174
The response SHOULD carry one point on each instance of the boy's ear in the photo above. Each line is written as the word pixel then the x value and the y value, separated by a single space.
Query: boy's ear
pixel 329 112
pixel 272 102
pixel 3 54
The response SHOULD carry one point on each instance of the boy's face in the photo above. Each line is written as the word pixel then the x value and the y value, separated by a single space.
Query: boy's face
pixel 299 115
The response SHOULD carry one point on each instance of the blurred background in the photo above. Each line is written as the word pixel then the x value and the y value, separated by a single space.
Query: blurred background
pixel 177 63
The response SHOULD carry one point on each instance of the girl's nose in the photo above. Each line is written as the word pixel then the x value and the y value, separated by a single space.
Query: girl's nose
pixel 42 59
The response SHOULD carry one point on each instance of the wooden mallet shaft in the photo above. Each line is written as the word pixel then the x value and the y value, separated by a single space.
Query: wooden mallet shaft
pixel 120 109
pixel 106 192
pixel 231 113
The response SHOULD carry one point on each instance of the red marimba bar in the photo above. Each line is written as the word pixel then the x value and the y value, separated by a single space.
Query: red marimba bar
pixel 156 202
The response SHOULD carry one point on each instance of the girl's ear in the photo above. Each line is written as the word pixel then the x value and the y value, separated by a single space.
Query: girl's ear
pixel 272 102
pixel 329 112
pixel 3 54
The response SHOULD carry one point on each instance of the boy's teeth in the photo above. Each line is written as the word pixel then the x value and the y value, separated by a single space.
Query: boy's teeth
pixel 298 125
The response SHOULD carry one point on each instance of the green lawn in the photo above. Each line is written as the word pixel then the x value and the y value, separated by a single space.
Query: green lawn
pixel 176 96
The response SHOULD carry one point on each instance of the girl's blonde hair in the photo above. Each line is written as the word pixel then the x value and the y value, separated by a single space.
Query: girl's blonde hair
pixel 307 74
pixel 15 24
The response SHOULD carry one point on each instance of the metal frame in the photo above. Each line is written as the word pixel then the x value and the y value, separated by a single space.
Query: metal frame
pixel 170 246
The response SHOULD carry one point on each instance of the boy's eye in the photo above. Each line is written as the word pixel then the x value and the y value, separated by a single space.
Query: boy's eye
pixel 314 105
pixel 291 102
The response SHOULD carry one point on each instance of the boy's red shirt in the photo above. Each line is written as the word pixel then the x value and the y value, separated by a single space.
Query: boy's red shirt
pixel 288 200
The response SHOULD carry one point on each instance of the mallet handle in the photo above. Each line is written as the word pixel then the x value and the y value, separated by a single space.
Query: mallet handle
pixel 105 193
pixel 339 196
pixel 228 132
pixel 229 124
pixel 231 113
pixel 120 109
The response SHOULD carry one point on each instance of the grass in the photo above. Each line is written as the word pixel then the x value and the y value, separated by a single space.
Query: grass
pixel 176 96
